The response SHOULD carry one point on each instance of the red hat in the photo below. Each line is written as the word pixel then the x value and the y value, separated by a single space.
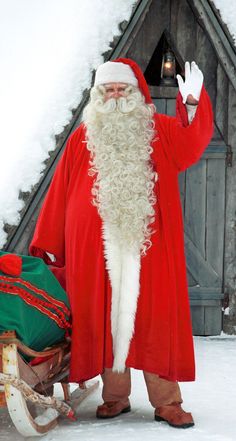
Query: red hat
pixel 128 72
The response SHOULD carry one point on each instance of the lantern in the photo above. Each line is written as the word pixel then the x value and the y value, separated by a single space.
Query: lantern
pixel 168 69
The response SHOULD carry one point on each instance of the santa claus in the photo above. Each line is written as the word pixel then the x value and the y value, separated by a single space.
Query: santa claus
pixel 112 219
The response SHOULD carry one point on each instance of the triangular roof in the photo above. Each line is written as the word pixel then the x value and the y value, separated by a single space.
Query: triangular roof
pixel 218 34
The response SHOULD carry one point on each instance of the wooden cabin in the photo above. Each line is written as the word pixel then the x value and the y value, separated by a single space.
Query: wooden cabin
pixel 192 30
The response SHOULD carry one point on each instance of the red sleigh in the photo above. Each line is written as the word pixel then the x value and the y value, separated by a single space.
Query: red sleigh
pixel 26 389
pixel 35 352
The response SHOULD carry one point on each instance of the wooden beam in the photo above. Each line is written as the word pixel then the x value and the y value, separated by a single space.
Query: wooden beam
pixel 163 92
pixel 198 293
pixel 205 275
pixel 132 29
pixel 208 20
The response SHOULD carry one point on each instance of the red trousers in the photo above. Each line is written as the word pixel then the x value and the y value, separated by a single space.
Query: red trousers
pixel 117 387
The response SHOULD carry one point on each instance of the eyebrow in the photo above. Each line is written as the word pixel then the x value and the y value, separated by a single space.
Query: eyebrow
pixel 108 86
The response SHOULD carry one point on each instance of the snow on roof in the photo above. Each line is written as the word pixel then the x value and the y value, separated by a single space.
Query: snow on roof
pixel 227 9
pixel 48 51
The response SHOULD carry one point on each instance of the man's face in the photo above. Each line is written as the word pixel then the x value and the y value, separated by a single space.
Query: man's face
pixel 115 90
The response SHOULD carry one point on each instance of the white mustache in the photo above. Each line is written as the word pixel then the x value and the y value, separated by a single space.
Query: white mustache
pixel 121 105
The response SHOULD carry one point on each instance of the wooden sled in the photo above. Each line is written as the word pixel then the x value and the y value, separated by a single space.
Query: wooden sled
pixel 27 388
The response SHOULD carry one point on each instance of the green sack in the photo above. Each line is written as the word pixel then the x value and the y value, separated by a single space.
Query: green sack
pixel 32 303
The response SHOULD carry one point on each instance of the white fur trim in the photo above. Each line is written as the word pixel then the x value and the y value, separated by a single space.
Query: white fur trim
pixel 125 315
pixel 124 269
pixel 111 72
pixel 113 264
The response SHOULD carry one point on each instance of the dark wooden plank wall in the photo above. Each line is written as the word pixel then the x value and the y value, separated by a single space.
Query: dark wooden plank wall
pixel 183 29
pixel 230 235
pixel 215 215
pixel 193 44
pixel 204 213
pixel 221 108
pixel 190 39
pixel 202 190
pixel 203 205
pixel 145 43
pixel 195 205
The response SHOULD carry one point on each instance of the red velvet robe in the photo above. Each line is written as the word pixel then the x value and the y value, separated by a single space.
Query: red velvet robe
pixel 70 228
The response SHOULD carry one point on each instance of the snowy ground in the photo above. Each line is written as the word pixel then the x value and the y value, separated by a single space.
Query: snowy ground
pixel 211 399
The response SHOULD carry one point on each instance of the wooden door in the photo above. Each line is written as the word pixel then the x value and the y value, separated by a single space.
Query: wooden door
pixel 202 189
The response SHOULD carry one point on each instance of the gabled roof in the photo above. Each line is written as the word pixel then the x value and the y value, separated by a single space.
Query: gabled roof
pixel 209 18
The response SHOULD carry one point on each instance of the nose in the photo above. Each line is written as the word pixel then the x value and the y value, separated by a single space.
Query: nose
pixel 114 94
pixel 117 93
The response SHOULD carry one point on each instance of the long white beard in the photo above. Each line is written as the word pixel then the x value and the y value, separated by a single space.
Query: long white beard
pixel 119 135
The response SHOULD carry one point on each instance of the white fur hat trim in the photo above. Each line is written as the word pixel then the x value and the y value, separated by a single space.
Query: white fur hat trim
pixel 111 72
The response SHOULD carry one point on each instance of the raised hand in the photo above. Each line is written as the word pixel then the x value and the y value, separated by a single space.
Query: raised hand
pixel 190 89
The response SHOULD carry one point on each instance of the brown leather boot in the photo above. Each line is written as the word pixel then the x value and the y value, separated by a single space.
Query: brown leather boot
pixel 174 415
pixel 111 409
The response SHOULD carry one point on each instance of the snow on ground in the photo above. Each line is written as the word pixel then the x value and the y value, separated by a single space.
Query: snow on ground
pixel 227 10
pixel 211 399
pixel 48 50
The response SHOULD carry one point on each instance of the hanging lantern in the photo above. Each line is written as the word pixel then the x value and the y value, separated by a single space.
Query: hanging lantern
pixel 168 69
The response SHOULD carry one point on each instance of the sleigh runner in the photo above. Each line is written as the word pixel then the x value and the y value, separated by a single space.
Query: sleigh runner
pixel 35 352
